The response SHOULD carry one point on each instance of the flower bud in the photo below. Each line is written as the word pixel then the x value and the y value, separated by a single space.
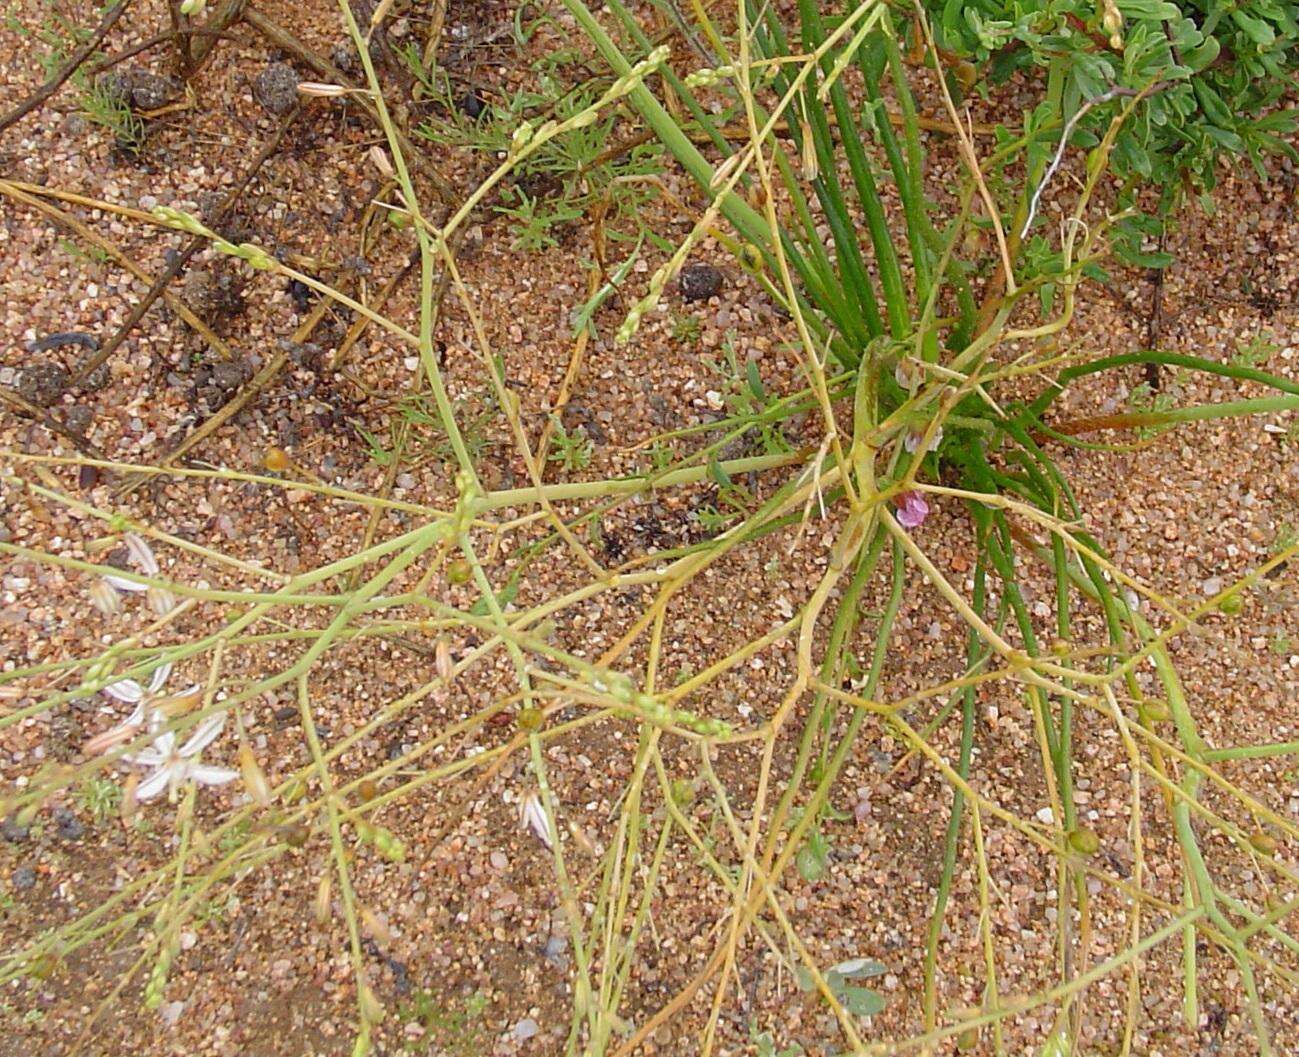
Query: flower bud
pixel 446 667
pixel 1084 841
pixel 130 805
pixel 810 167
pixel 320 90
pixel 253 776
pixel 522 137
pixel 376 927
pixel 379 159
pixel 321 907
pixel 276 460
pixel 371 1007
pixel 1263 843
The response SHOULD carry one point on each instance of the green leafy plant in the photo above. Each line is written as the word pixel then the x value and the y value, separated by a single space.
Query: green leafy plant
pixel 571 450
pixel 99 797
pixel 927 325
pixel 859 1001
pixel 453 1028
pixel 102 105
pixel 686 328
pixel 1211 75
pixel 561 183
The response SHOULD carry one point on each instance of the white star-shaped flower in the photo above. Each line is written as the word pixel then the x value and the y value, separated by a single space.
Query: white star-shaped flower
pixel 173 766
pixel 150 706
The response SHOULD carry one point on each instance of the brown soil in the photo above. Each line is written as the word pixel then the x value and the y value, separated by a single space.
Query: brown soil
pixel 477 927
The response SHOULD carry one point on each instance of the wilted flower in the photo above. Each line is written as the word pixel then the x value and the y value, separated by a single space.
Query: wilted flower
pixel 173 766
pixel 912 510
pixel 141 557
pixel 916 437
pixel 145 701
pixel 907 374
pixel 104 597
pixel 533 816
pixel 104 594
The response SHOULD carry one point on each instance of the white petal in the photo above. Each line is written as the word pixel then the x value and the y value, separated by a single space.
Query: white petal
pixel 165 742
pixel 127 690
pixel 146 758
pixel 159 677
pixel 205 775
pixel 141 554
pixel 126 585
pixel 204 734
pixel 154 784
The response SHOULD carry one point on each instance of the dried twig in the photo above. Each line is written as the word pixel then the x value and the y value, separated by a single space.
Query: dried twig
pixel 177 265
pixel 32 196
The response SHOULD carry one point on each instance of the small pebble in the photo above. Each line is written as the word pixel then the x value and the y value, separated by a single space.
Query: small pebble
pixel 23 878
pixel 472 104
pixel 43 383
pixel 526 1029
pixel 699 282
pixel 78 419
pixel 98 379
pixel 67 825
pixel 149 91
pixel 276 88
pixel 229 374
pixel 12 831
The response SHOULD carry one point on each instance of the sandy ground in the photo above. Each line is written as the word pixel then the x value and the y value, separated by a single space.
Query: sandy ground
pixel 477 945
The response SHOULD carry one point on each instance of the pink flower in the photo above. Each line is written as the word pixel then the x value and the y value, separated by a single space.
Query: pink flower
pixel 912 510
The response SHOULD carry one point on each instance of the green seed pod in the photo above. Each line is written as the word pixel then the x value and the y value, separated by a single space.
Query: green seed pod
pixel 530 719
pixel 388 845
pixel 1263 843
pixel 1084 841
pixel 683 793
pixel 1231 605
pixel 1155 712
pixel 459 572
